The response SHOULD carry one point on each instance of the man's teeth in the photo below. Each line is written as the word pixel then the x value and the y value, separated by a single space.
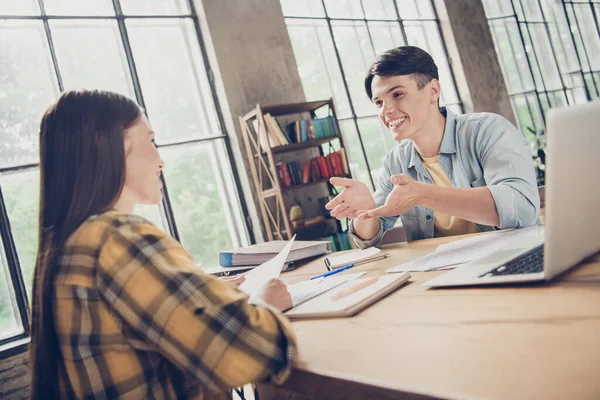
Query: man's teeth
pixel 394 123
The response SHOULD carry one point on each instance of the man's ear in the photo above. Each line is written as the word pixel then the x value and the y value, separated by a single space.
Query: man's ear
pixel 435 91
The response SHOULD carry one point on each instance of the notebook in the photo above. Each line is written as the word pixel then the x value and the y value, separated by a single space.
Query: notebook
pixel 304 291
pixel 349 298
pixel 354 257
pixel 262 252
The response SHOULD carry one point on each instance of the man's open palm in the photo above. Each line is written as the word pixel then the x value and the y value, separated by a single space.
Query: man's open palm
pixel 354 198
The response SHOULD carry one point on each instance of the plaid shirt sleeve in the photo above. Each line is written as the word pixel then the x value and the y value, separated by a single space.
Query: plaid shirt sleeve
pixel 203 325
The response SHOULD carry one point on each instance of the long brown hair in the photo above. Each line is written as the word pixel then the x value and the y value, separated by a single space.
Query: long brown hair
pixel 82 173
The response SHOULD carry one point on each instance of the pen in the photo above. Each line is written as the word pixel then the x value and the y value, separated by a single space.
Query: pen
pixel 335 271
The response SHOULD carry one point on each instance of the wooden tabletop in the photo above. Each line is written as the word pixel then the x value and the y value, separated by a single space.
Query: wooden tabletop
pixel 533 341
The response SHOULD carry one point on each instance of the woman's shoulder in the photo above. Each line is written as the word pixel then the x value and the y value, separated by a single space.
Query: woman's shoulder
pixel 94 231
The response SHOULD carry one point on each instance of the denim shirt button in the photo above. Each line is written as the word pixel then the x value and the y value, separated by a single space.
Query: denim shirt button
pixel 428 217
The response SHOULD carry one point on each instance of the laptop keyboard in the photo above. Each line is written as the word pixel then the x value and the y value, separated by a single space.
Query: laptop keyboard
pixel 530 262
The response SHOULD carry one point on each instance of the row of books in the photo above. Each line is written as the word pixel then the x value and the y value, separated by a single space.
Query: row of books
pixel 318 168
pixel 298 131
pixel 309 129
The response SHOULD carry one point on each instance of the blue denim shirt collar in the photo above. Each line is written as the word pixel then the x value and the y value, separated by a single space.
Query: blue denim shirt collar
pixel 448 145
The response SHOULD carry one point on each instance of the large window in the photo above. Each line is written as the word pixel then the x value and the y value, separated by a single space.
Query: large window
pixel 550 54
pixel 335 41
pixel 148 50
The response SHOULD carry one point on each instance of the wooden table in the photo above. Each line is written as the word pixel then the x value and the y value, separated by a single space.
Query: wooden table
pixel 534 341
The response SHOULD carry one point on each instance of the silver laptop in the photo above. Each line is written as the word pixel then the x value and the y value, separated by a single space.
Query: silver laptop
pixel 572 214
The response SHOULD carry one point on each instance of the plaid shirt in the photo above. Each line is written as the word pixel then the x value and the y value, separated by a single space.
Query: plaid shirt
pixel 137 319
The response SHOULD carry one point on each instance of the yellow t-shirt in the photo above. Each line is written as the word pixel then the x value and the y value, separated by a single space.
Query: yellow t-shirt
pixel 446 225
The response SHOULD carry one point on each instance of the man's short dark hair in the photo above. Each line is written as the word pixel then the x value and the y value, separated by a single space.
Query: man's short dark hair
pixel 403 60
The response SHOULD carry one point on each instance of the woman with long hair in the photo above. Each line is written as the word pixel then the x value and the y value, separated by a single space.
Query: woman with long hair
pixel 119 308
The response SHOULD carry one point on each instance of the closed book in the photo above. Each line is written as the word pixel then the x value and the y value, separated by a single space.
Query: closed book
pixel 240 269
pixel 287 178
pixel 322 166
pixel 274 130
pixel 354 257
pixel 306 172
pixel 259 253
pixel 344 160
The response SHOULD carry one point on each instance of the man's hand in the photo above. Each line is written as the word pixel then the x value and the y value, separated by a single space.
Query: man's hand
pixel 355 197
pixel 405 195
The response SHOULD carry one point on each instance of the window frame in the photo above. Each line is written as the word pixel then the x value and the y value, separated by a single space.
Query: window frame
pixel 400 21
pixel 19 343
pixel 539 100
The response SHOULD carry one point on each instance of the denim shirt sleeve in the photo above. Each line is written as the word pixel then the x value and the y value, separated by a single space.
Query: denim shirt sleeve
pixel 509 173
pixel 384 188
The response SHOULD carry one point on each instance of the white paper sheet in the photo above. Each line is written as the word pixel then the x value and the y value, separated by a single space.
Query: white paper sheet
pixel 258 277
pixel 466 250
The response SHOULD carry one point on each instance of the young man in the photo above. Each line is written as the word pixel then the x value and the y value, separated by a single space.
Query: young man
pixel 450 174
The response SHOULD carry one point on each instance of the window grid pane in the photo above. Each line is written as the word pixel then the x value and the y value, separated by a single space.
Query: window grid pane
pixel 95 53
pixel 167 59
pixel 550 56
pixel 21 199
pixel 82 65
pixel 28 85
pixel 360 31
pixel 10 324
pixel 200 200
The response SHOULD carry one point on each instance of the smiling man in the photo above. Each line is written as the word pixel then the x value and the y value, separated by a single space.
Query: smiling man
pixel 450 174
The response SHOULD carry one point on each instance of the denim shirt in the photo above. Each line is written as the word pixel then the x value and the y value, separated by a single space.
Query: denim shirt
pixel 479 149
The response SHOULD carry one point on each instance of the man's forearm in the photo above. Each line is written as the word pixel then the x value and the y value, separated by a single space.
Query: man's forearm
pixel 473 204
pixel 366 229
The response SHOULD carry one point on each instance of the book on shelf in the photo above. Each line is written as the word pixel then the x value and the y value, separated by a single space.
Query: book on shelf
pixel 315 169
pixel 308 129
pixel 275 130
pixel 265 140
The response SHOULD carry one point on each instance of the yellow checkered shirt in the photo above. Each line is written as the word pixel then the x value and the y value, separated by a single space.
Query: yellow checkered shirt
pixel 136 319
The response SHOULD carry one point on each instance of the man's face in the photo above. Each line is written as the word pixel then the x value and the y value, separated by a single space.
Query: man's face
pixel 402 106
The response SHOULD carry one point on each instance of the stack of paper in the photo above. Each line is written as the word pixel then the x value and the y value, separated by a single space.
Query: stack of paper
pixel 259 253
pixel 466 250
pixel 354 257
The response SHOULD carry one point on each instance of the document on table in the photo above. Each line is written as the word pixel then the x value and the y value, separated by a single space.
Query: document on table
pixel 466 250
pixel 258 277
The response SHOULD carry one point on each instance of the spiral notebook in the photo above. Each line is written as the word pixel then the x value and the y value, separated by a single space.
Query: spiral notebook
pixel 348 298
pixel 304 291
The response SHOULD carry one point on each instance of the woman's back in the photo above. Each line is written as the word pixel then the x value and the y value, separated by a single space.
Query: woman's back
pixel 135 318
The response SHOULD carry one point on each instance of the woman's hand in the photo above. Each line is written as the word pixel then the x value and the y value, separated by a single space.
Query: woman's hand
pixel 237 279
pixel 275 294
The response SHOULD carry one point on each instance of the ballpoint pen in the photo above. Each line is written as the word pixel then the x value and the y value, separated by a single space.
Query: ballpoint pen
pixel 335 271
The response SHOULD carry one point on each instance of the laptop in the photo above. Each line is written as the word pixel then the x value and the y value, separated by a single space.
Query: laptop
pixel 572 212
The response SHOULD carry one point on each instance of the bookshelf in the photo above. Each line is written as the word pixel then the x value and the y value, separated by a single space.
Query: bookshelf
pixel 293 150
